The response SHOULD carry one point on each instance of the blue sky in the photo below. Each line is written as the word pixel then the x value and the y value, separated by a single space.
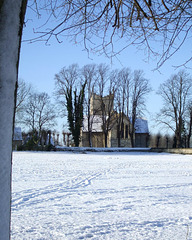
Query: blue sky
pixel 39 63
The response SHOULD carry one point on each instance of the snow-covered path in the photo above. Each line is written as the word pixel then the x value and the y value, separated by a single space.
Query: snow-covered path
pixel 111 196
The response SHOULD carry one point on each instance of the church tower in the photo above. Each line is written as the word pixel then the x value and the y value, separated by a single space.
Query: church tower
pixel 99 104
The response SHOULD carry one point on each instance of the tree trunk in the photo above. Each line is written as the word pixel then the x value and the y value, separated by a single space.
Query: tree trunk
pixel 11 21
pixel 132 127
pixel 178 139
pixel 188 141
pixel 106 135
pixel 89 130
pixel 90 138
pixel 178 136
pixel 190 130
pixel 132 134
pixel 119 129
pixel 118 137
pixel 132 140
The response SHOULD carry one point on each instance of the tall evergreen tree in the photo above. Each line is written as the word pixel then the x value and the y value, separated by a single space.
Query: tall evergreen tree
pixel 75 111
pixel 68 81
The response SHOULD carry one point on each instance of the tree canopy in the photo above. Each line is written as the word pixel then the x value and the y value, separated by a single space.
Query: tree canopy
pixel 113 25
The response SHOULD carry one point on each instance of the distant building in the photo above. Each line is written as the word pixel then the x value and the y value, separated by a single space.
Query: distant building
pixel 97 135
pixel 141 133
pixel 17 138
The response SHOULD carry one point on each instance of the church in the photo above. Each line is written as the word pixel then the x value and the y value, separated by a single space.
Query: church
pixel 102 116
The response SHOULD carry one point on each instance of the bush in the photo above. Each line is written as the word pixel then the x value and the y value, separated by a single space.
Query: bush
pixel 31 146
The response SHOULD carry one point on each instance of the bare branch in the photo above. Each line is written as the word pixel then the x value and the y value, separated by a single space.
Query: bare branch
pixel 104 22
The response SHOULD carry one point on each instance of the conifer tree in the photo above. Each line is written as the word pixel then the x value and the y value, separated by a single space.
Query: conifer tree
pixel 75 111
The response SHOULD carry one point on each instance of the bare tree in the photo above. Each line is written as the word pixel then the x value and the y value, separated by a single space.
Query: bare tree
pixel 22 93
pixel 46 115
pixel 89 75
pixel 67 78
pixel 39 113
pixel 29 118
pixel 106 92
pixel 122 99
pixel 139 90
pixel 175 93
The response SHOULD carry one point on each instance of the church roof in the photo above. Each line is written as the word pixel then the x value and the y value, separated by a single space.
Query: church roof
pixel 141 125
pixel 96 121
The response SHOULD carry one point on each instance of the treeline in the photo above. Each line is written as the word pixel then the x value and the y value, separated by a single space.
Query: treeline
pixel 124 89
pixel 127 91
pixel 74 88
pixel 36 113
pixel 159 140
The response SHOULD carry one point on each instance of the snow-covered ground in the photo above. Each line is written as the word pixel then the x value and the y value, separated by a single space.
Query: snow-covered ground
pixel 110 196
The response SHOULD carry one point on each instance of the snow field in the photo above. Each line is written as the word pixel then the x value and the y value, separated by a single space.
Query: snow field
pixel 111 196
